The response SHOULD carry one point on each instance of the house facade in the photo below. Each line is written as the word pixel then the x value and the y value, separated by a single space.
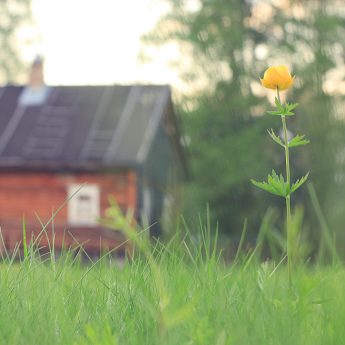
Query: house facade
pixel 121 141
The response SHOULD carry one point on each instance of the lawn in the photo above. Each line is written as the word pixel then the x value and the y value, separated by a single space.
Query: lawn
pixel 181 292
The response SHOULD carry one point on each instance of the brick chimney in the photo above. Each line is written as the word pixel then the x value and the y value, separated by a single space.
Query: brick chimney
pixel 36 92
pixel 36 78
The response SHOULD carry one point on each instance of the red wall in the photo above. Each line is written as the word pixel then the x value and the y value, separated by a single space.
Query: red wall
pixel 44 193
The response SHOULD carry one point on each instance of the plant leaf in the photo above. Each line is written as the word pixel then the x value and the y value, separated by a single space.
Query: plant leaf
pixel 304 142
pixel 266 188
pixel 275 112
pixel 280 107
pixel 298 141
pixel 291 106
pixel 275 185
pixel 283 111
pixel 275 138
pixel 275 176
pixel 298 183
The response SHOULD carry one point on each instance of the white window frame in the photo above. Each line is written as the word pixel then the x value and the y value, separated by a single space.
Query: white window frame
pixel 91 192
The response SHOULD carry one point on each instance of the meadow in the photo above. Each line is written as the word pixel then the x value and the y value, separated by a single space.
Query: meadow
pixel 180 292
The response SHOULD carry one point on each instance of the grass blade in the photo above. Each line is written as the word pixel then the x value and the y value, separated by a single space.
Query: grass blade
pixel 241 240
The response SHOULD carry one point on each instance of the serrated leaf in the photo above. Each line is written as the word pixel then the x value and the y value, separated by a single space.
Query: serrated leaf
pixel 298 183
pixel 274 179
pixel 298 141
pixel 275 138
pixel 267 189
pixel 304 142
pixel 286 187
pixel 274 175
pixel 280 107
pixel 292 106
pixel 275 112
pixel 266 185
pixel 275 185
pixel 282 180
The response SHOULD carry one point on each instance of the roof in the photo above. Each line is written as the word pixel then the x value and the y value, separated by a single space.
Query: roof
pixel 80 126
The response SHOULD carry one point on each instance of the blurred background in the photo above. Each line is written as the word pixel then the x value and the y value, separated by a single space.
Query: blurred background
pixel 212 53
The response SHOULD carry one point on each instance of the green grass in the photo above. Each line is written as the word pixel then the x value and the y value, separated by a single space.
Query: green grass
pixel 178 293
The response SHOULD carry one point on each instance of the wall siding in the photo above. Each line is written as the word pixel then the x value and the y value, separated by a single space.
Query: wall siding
pixel 44 193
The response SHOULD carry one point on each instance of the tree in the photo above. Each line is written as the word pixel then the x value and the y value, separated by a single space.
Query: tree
pixel 15 16
pixel 239 39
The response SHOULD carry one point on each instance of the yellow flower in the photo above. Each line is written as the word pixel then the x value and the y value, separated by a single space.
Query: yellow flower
pixel 277 76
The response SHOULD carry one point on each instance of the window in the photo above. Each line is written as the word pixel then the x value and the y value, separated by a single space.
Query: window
pixel 84 207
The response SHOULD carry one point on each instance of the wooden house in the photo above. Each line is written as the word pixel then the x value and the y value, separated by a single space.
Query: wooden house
pixel 121 140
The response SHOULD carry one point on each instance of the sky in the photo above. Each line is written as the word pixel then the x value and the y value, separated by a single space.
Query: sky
pixel 88 42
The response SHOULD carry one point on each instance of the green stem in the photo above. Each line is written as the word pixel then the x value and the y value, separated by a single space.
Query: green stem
pixel 288 212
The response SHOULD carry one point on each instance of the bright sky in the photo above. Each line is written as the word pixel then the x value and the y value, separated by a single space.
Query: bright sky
pixel 97 41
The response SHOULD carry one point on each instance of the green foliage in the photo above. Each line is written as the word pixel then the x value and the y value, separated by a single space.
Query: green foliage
pixel 227 159
pixel 15 15
pixel 275 138
pixel 275 236
pixel 208 301
pixel 297 141
pixel 276 185
pixel 221 44
pixel 283 111
pixel 96 335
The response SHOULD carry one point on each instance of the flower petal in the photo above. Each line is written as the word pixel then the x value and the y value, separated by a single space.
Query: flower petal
pixel 271 75
pixel 267 85
pixel 288 84
pixel 283 72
